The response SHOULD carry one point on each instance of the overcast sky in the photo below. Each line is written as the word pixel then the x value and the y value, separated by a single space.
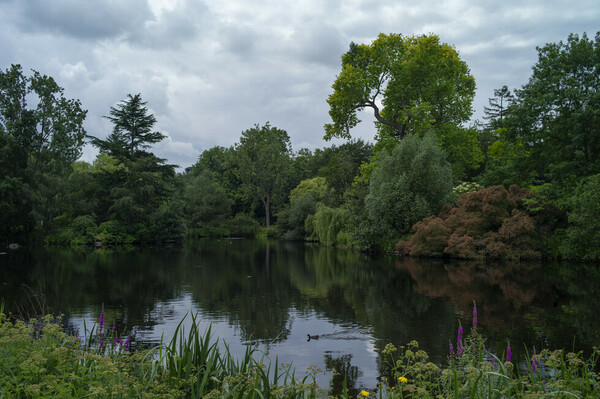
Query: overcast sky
pixel 211 69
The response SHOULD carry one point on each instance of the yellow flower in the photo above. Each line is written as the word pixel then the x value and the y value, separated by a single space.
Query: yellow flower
pixel 403 380
pixel 364 393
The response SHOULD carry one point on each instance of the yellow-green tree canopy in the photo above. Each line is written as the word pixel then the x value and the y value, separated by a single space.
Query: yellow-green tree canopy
pixel 412 83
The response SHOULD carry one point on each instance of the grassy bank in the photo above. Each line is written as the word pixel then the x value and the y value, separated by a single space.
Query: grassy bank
pixel 38 360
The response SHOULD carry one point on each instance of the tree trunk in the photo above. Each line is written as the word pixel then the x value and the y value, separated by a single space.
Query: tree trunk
pixel 268 209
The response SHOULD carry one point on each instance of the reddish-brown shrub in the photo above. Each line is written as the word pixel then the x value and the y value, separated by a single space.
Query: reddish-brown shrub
pixel 516 238
pixel 461 246
pixel 430 238
pixel 493 217
pixel 403 247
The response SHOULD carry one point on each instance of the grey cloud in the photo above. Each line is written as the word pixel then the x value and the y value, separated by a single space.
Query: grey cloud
pixel 172 28
pixel 100 19
pixel 319 43
pixel 238 39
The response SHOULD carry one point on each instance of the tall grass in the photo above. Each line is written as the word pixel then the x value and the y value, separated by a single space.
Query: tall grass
pixel 202 367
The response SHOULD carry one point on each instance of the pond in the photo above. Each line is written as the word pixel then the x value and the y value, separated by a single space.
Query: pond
pixel 271 294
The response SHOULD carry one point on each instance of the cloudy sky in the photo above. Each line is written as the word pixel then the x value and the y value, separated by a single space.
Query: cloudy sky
pixel 211 69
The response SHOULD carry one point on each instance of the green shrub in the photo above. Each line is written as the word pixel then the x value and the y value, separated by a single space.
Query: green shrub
pixel 114 232
pixel 243 225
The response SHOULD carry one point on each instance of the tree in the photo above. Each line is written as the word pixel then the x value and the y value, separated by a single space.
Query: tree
pixel 205 200
pixel 498 105
pixel 132 131
pixel 264 154
pixel 41 135
pixel 412 183
pixel 137 183
pixel 556 115
pixel 343 164
pixel 412 83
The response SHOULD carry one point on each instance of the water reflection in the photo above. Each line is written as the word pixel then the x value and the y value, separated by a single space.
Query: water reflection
pixel 272 294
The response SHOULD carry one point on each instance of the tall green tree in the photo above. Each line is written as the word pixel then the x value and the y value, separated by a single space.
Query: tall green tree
pixel 412 83
pixel 138 184
pixel 264 156
pixel 41 135
pixel 556 115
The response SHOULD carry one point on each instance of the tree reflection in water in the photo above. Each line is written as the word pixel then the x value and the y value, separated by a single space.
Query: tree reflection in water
pixel 268 290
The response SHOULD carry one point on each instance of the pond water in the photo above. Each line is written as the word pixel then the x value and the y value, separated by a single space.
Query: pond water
pixel 272 294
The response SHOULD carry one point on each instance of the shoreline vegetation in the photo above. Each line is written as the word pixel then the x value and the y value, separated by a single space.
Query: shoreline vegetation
pixel 40 360
pixel 523 183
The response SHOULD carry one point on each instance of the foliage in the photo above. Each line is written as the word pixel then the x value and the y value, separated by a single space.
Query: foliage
pixel 43 361
pixel 223 163
pixel 555 116
pixel 135 185
pixel 492 222
pixel 342 166
pixel 316 188
pixel 40 360
pixel 264 156
pixel 498 106
pixel 41 135
pixel 328 226
pixel 408 185
pixel 291 220
pixel 583 234
pixel 466 187
pixel 205 200
pixel 132 131
pixel 420 82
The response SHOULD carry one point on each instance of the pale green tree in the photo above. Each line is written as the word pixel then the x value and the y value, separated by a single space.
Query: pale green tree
pixel 412 83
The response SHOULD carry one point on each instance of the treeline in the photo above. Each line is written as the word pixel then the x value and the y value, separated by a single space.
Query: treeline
pixel 523 183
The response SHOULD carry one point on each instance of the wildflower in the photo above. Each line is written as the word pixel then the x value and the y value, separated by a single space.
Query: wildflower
pixel 508 352
pixel 451 348
pixel 364 393
pixel 474 315
pixel 534 361
pixel 459 343
pixel 127 342
pixel 101 324
pixel 403 379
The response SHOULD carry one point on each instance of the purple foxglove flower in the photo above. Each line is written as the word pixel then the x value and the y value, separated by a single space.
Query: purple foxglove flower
pixel 508 352
pixel 474 314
